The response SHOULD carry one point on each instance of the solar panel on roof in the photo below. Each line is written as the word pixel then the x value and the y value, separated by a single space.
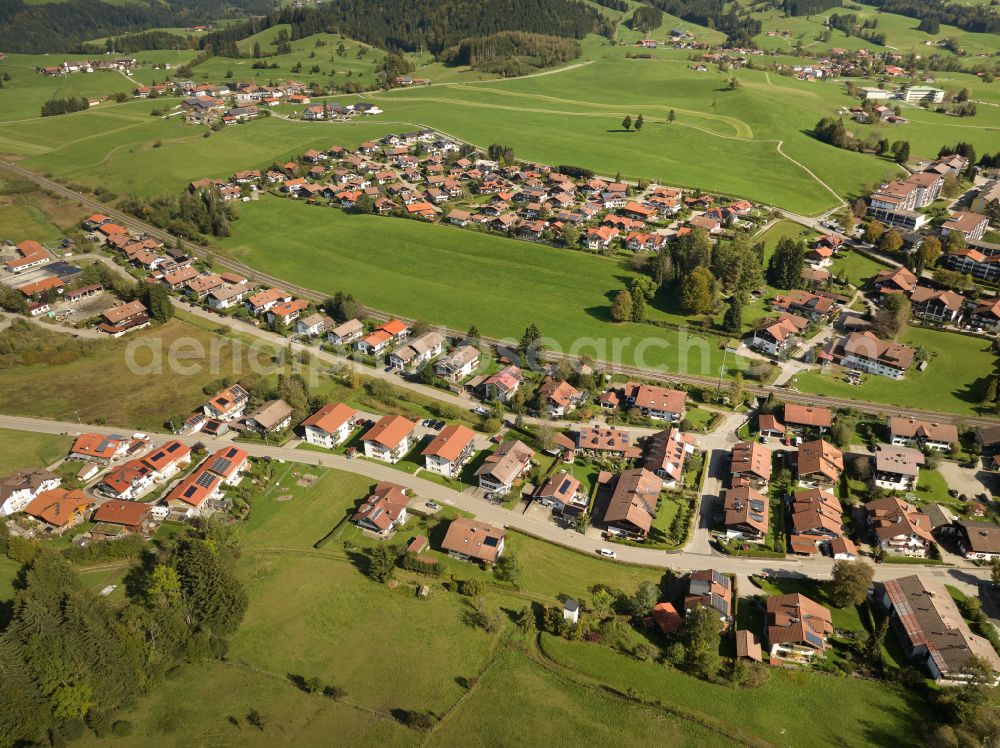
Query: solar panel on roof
pixel 813 639
pixel 190 492
pixel 491 542
pixel 565 486
pixel 220 465
pixel 757 506
pixel 205 480
pixel 172 447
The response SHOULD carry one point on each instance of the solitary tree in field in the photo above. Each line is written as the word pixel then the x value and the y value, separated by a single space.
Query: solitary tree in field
pixel 627 122
pixel 621 308
pixel 638 123
pixel 901 151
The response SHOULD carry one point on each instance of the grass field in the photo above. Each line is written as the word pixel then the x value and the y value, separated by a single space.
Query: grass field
pixel 954 380
pixel 23 95
pixel 25 449
pixel 105 388
pixel 464 278
pixel 26 212
pixel 791 709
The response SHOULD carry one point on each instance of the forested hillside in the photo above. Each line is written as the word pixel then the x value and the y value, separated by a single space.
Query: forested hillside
pixel 426 25
pixel 62 26
pixel 509 52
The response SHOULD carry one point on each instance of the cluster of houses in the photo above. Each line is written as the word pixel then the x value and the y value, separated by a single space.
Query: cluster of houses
pixel 122 64
pixel 413 174
pixel 123 473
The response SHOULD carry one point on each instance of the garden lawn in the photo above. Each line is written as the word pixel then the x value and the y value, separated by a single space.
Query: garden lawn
pixel 792 709
pixel 931 486
pixel 25 449
pixel 953 382
pixel 857 267
pixel 552 710
pixel 457 277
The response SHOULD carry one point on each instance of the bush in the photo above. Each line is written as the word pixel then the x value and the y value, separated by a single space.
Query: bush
pixel 471 587
pixel 122 728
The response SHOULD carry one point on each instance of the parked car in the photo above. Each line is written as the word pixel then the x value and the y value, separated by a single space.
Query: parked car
pixel 607 553
pixel 433 505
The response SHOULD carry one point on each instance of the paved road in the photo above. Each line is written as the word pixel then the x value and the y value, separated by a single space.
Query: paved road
pixel 651 374
pixel 535 523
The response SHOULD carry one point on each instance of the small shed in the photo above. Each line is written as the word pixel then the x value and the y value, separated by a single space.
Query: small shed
pixel 747 646
pixel 571 610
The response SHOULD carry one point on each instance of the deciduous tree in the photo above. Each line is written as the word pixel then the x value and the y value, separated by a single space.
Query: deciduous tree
pixel 849 583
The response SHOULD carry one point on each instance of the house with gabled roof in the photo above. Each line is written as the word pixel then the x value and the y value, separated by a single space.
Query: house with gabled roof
pixel 59 509
pixel 389 439
pixel 666 452
pixel 897 468
pixel 655 402
pixel 563 492
pixel 503 385
pixel 819 464
pixel 797 627
pixel 384 511
pixel 559 397
pixel 633 502
pixel 98 448
pixel 936 306
pixel 505 466
pixel 227 405
pixel 471 540
pixel 21 488
pixel 458 364
pixel 750 462
pixel 127 481
pixel 330 425
pixel 449 450
pixel 909 432
pixel 899 527
pixel 710 589
pixel 167 459
pixel 746 513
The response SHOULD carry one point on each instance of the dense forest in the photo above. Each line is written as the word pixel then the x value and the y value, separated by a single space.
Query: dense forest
pixel 977 18
pixel 739 27
pixel 808 7
pixel 508 52
pixel 71 661
pixel 425 25
pixel 64 26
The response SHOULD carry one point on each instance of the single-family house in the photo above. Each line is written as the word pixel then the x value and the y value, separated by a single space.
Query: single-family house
pixel 797 627
pixel 384 510
pixel 59 509
pixel 227 405
pixel 330 425
pixel 503 467
pixel 654 402
pixel 746 513
pixel 449 450
pixel 710 589
pixel 270 417
pixel 897 468
pixel 503 385
pixel 633 502
pixel 98 448
pixel 389 439
pixel 458 364
pixel 563 492
pixel 899 527
pixel 22 487
pixel 471 540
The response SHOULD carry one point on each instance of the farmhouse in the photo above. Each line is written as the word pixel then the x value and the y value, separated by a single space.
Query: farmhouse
pixel 330 425
pixel 931 629
pixel 384 510
pixel 389 439
pixel 471 540
pixel 502 468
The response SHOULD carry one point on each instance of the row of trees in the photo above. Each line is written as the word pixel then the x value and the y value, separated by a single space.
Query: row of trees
pixel 54 107
pixel 70 659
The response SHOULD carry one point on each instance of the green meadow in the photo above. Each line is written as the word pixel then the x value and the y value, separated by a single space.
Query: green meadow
pixel 954 381
pixel 24 449
pixel 457 277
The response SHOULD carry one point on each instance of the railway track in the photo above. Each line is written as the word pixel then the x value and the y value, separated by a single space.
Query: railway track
pixel 315 296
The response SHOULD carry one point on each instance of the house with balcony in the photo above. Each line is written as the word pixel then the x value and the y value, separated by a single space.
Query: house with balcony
pixel 389 439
